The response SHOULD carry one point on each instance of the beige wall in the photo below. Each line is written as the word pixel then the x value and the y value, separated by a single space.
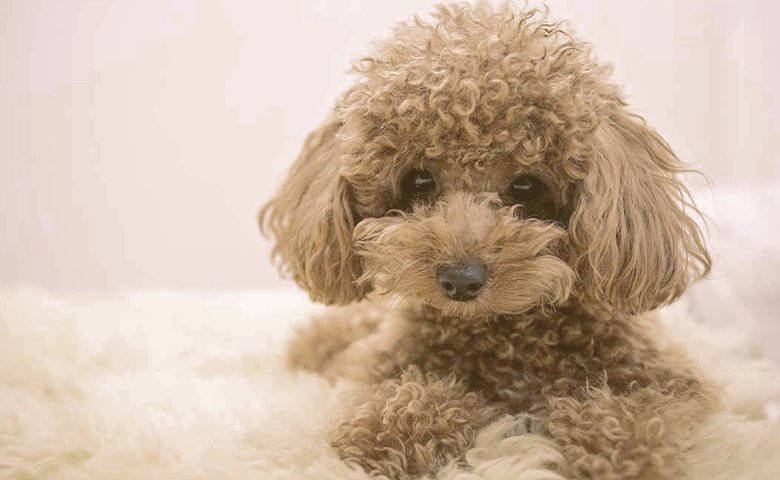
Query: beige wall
pixel 138 138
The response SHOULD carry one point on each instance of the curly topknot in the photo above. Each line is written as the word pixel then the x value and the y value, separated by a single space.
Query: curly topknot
pixel 478 80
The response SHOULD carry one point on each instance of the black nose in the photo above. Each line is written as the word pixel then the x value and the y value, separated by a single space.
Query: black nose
pixel 461 281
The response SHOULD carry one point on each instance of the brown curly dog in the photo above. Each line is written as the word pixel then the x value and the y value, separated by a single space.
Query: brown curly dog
pixel 506 221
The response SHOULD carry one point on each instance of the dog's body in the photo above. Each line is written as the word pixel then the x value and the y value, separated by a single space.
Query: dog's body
pixel 617 405
pixel 485 174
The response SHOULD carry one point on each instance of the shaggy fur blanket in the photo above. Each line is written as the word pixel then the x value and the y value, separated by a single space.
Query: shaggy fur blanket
pixel 186 386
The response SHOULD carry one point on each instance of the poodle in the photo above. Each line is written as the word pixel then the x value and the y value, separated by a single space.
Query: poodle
pixel 497 227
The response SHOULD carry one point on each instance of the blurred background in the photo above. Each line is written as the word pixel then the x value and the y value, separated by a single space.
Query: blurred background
pixel 138 138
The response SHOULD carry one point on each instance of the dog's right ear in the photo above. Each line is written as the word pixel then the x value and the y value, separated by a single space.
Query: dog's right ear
pixel 634 235
pixel 311 218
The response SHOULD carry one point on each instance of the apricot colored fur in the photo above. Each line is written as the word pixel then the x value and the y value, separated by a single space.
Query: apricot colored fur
pixel 560 331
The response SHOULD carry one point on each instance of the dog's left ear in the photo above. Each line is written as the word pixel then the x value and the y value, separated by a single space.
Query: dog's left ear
pixel 635 245
pixel 311 218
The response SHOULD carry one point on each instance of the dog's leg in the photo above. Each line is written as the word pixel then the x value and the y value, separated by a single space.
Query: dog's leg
pixel 410 425
pixel 320 346
pixel 637 435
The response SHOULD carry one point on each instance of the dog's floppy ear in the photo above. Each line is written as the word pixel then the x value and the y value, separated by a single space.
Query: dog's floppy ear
pixel 635 245
pixel 311 219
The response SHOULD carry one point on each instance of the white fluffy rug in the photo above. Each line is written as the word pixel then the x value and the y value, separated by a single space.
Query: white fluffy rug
pixel 184 386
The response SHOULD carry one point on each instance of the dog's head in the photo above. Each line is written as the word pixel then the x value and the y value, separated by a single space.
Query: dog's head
pixel 484 163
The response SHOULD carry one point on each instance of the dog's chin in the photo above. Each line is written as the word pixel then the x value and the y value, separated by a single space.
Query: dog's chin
pixel 476 309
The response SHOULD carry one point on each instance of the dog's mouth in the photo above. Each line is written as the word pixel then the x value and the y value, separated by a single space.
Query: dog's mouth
pixel 499 265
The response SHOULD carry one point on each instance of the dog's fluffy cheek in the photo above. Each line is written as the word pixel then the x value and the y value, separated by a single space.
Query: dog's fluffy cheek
pixel 534 282
pixel 401 257
pixel 393 268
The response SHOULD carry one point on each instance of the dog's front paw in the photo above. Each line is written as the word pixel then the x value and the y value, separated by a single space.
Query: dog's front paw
pixel 317 346
pixel 412 425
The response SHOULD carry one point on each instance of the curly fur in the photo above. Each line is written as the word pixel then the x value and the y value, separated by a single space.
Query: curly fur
pixel 476 96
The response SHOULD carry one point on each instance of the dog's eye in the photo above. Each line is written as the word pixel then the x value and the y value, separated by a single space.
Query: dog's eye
pixel 527 188
pixel 537 200
pixel 417 183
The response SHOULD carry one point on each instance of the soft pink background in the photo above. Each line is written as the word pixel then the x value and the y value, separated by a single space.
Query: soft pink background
pixel 137 139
